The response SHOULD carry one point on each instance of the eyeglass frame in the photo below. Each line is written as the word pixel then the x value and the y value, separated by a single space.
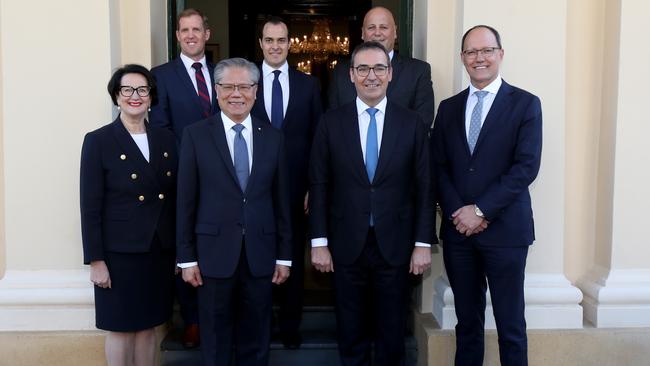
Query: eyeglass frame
pixel 371 68
pixel 236 87
pixel 135 90
pixel 473 54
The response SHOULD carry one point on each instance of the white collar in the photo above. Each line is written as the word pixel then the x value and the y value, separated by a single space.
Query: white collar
pixel 188 62
pixel 266 69
pixel 491 88
pixel 228 123
pixel 361 106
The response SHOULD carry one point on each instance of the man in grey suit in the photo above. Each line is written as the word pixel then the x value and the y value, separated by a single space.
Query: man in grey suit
pixel 411 86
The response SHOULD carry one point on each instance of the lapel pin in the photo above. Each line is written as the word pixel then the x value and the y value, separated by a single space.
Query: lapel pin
pixel 259 128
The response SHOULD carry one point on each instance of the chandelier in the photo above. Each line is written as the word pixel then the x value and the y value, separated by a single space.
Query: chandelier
pixel 320 44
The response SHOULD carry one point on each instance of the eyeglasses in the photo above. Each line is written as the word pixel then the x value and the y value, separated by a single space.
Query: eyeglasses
pixel 487 52
pixel 128 91
pixel 230 88
pixel 364 70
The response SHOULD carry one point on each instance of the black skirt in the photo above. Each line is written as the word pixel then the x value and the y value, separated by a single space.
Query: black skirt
pixel 141 292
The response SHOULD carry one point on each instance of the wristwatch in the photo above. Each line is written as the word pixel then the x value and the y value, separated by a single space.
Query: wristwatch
pixel 478 212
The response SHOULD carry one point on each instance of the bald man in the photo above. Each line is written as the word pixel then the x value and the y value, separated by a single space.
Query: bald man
pixel 411 86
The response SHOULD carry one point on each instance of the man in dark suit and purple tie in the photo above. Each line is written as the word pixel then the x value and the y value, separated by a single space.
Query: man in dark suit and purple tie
pixel 487 146
pixel 289 100
pixel 371 210
pixel 233 219
pixel 186 95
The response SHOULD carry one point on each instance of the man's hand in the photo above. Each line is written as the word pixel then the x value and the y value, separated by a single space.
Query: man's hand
pixel 466 220
pixel 482 226
pixel 321 259
pixel 192 275
pixel 99 275
pixel 281 274
pixel 420 260
pixel 306 204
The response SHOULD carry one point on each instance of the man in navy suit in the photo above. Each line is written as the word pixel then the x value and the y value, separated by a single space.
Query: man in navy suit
pixel 371 210
pixel 233 219
pixel 487 145
pixel 186 95
pixel 411 86
pixel 293 99
pixel 183 100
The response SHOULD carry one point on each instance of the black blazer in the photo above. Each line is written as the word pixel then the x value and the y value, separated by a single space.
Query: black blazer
pixel 411 86
pixel 496 177
pixel 125 200
pixel 300 120
pixel 214 215
pixel 178 103
pixel 400 195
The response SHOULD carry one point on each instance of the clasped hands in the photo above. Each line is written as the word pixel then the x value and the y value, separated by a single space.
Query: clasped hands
pixel 467 222
pixel 192 275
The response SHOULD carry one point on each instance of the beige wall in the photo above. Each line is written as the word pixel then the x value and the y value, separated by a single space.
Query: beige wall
pixel 59 69
pixel 3 258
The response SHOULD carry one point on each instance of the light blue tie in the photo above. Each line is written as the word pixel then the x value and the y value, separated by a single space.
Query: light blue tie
pixel 372 153
pixel 475 121
pixel 240 152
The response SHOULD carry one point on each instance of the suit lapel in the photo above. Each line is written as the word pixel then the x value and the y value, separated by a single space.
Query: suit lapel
pixel 259 149
pixel 293 85
pixel 389 137
pixel 219 138
pixel 396 65
pixel 461 104
pixel 155 152
pixel 182 74
pixel 501 101
pixel 351 136
pixel 215 105
pixel 132 153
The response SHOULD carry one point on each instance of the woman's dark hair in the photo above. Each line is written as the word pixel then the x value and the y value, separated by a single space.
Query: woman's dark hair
pixel 116 80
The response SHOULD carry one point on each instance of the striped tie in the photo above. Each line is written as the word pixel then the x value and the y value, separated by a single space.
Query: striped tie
pixel 202 88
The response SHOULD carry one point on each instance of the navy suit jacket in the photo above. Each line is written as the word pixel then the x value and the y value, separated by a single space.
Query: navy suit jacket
pixel 125 200
pixel 411 86
pixel 178 103
pixel 400 196
pixel 496 176
pixel 300 120
pixel 214 215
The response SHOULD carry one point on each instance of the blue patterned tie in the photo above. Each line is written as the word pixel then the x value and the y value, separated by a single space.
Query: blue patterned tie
pixel 240 152
pixel 475 121
pixel 372 153
pixel 277 114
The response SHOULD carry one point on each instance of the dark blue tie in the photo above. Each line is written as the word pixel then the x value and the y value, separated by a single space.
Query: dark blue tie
pixel 240 152
pixel 372 153
pixel 277 109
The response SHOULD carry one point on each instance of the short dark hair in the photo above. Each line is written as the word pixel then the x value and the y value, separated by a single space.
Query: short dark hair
pixel 275 20
pixel 116 81
pixel 188 13
pixel 370 45
pixel 494 31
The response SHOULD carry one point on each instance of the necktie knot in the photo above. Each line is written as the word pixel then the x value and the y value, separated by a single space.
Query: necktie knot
pixel 277 74
pixel 197 66
pixel 372 111
pixel 480 95
pixel 238 128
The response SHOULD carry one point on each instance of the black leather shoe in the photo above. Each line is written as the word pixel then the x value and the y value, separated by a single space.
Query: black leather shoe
pixel 291 340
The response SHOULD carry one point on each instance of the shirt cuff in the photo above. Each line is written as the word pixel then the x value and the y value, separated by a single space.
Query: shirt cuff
pixel 423 245
pixel 318 242
pixel 187 264
pixel 283 263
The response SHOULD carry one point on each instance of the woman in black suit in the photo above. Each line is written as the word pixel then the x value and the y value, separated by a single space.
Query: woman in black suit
pixel 128 193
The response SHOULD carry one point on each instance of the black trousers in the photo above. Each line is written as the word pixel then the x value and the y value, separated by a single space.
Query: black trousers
pixel 470 267
pixel 290 294
pixel 371 308
pixel 235 311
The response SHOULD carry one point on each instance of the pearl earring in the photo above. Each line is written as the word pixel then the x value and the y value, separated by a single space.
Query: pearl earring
pixel 149 109
pixel 118 108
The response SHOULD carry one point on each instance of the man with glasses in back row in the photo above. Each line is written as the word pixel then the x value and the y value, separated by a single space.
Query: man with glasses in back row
pixel 371 210
pixel 487 146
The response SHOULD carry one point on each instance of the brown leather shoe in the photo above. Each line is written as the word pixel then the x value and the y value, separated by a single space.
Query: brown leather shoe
pixel 191 337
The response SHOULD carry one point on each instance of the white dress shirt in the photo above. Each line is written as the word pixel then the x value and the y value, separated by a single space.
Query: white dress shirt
pixel 268 75
pixel 188 62
pixel 363 118
pixel 230 139
pixel 472 99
